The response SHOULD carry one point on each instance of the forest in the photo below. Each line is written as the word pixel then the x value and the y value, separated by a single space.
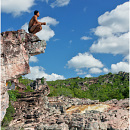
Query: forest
pixel 102 88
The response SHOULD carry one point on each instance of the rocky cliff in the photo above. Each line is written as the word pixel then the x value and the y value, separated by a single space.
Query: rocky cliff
pixel 16 49
pixel 36 111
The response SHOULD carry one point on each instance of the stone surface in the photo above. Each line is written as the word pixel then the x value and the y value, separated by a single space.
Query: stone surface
pixel 38 85
pixel 16 49
pixel 36 111
pixel 30 108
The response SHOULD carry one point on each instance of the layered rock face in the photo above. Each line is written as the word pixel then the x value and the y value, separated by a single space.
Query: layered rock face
pixel 36 111
pixel 30 109
pixel 16 49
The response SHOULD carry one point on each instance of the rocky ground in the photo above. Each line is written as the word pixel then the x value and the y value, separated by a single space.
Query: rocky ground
pixel 36 111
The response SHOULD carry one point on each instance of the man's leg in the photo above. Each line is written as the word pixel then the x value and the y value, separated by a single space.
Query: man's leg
pixel 36 28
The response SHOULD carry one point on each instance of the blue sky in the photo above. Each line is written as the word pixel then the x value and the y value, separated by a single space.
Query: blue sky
pixel 84 37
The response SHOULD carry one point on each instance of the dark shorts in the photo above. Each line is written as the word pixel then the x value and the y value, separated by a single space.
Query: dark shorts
pixel 29 29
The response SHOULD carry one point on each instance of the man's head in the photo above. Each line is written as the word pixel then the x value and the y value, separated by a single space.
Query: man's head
pixel 36 12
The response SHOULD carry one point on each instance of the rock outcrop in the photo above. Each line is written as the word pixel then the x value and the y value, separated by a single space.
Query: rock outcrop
pixel 30 108
pixel 36 111
pixel 16 49
pixel 38 84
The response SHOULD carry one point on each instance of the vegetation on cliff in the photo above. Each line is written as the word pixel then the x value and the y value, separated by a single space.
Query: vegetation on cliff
pixel 104 87
pixel 13 95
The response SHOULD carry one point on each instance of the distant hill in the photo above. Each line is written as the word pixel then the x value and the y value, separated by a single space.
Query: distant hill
pixel 105 87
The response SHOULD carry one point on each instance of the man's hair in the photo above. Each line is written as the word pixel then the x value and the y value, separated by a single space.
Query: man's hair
pixel 35 12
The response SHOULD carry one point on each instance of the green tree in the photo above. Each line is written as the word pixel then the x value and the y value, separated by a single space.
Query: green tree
pixel 42 80
pixel 9 115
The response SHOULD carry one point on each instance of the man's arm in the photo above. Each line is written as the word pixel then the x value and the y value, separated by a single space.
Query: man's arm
pixel 37 22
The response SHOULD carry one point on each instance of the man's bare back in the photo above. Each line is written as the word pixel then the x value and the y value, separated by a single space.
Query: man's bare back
pixel 34 24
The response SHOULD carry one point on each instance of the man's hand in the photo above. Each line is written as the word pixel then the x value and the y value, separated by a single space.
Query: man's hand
pixel 44 23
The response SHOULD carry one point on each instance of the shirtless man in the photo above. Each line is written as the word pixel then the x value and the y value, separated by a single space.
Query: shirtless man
pixel 34 25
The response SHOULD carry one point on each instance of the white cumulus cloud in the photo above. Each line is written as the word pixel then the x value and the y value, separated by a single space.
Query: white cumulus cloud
pixel 39 72
pixel 121 66
pixel 16 7
pixel 95 70
pixel 60 3
pixel 84 60
pixel 80 72
pixel 46 33
pixel 33 59
pixel 105 70
pixel 117 20
pixel 112 44
pixel 88 75
pixel 85 38
pixel 49 21
pixel 113 32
